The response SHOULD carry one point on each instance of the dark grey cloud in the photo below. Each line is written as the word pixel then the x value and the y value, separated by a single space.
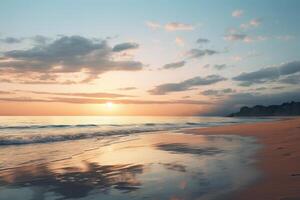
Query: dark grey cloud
pixel 218 92
pixel 233 102
pixel 260 88
pixel 125 46
pixel 199 53
pixel 174 65
pixel 220 67
pixel 268 74
pixel 202 41
pixel 38 39
pixel 278 87
pixel 185 85
pixel 11 40
pixel 67 54
pixel 291 79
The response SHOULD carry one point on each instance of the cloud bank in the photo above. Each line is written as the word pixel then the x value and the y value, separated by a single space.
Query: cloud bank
pixel 68 54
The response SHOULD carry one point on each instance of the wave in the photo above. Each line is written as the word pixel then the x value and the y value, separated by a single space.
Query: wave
pixel 9 135
pixel 47 138
pixel 47 126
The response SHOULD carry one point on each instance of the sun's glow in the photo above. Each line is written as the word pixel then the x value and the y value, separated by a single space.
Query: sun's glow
pixel 109 105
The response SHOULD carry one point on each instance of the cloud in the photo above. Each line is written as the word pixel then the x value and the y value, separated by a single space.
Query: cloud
pixel 11 40
pixel 179 41
pixel 172 26
pixel 220 67
pixel 5 92
pixel 153 25
pixel 185 85
pixel 176 26
pixel 102 101
pixel 235 101
pixel 216 66
pixel 237 13
pixel 125 46
pixel 235 37
pixel 252 23
pixel 127 88
pixel 268 74
pixel 285 37
pixel 67 54
pixel 199 53
pixel 174 65
pixel 38 39
pixel 243 37
pixel 292 79
pixel 80 94
pixel 202 41
pixel 218 92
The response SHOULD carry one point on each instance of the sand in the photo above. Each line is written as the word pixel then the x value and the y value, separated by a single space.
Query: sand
pixel 279 158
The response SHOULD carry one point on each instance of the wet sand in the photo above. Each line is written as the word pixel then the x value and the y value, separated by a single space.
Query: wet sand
pixel 279 158
pixel 163 165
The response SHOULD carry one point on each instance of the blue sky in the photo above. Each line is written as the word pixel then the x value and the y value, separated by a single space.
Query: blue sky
pixel 242 37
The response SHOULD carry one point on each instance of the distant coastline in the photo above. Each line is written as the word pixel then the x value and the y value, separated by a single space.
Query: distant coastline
pixel 285 109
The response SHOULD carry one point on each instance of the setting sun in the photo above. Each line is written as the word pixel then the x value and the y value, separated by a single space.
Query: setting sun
pixel 109 105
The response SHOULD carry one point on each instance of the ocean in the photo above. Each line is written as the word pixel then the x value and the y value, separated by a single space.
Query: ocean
pixel 83 157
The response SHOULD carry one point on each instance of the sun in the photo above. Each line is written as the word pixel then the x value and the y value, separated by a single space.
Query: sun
pixel 109 105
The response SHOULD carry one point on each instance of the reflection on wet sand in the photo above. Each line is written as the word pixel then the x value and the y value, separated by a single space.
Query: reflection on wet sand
pixel 75 183
pixel 187 149
pixel 148 166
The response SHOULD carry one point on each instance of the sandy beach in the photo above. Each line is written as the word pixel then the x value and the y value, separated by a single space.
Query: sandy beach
pixel 279 158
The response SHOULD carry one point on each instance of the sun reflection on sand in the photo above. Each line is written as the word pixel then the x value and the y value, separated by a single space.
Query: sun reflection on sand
pixel 161 166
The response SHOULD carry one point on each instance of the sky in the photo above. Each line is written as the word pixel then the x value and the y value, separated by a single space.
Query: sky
pixel 141 57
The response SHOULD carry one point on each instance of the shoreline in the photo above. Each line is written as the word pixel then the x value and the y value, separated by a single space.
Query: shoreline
pixel 278 158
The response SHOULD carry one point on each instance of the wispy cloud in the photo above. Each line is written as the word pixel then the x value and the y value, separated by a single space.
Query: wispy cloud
pixel 37 39
pixel 179 41
pixel 101 101
pixel 171 26
pixel 237 13
pixel 125 46
pixel 220 66
pixel 199 53
pixel 243 37
pixel 174 65
pixel 127 88
pixel 103 95
pixel 268 74
pixel 285 37
pixel 252 23
pixel 11 40
pixel 185 85
pixel 177 26
pixel 221 92
pixel 153 25
pixel 202 41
